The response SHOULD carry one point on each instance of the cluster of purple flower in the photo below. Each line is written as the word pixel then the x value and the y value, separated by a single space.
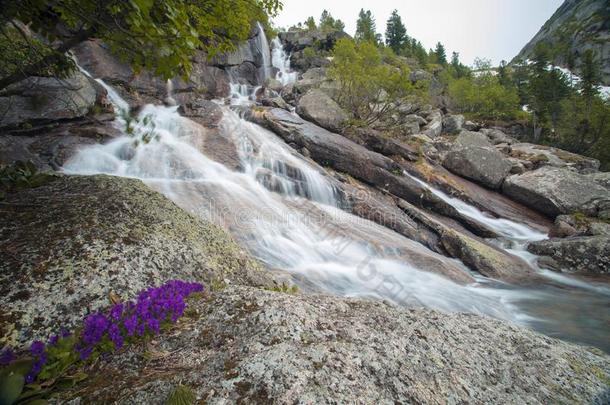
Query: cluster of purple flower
pixel 152 308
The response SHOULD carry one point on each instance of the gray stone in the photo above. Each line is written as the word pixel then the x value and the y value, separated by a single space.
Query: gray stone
pixel 317 107
pixel 468 138
pixel 435 124
pixel 601 178
pixel 485 166
pixel 497 137
pixel 245 345
pixel 555 191
pixel 44 99
pixel 580 254
pixel 276 102
pixel 452 124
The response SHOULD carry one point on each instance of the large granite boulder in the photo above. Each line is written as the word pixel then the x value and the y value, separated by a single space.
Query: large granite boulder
pixel 469 138
pixel 44 99
pixel 485 166
pixel 579 254
pixel 555 191
pixel 66 245
pixel 245 345
pixel 435 124
pixel 452 124
pixel 317 107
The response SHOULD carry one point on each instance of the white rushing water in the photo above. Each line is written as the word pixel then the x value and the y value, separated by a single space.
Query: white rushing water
pixel 297 227
pixel 262 45
pixel 289 215
pixel 281 61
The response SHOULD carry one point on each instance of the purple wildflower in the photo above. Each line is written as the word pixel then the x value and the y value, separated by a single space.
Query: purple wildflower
pixel 95 327
pixel 116 312
pixel 37 348
pixel 115 336
pixel 53 340
pixel 64 333
pixel 7 356
pixel 130 324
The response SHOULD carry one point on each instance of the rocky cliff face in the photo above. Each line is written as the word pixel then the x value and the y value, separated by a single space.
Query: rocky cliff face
pixel 579 25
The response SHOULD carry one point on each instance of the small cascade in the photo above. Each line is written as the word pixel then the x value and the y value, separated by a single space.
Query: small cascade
pixel 281 61
pixel 262 45
pixel 169 99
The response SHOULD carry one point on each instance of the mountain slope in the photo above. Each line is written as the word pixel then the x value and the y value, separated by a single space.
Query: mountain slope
pixel 576 26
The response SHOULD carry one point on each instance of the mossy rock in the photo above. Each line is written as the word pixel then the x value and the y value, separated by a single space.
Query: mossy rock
pixel 65 245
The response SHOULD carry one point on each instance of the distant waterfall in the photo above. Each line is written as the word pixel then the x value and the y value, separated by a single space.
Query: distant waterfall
pixel 281 61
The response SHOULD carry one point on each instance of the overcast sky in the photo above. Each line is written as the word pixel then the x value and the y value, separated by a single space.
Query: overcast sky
pixel 494 29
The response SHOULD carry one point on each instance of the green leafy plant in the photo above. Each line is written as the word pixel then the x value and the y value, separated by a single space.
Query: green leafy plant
pixel 181 395
pixel 21 175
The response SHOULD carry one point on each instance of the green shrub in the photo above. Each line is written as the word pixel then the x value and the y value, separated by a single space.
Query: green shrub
pixel 368 88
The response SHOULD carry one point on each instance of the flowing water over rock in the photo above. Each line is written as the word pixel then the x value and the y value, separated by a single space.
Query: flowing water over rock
pixel 288 213
pixel 567 307
pixel 281 62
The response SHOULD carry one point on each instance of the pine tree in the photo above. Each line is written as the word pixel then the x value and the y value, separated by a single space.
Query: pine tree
pixel 365 27
pixel 590 76
pixel 311 24
pixel 441 54
pixel 328 23
pixel 503 75
pixel 396 33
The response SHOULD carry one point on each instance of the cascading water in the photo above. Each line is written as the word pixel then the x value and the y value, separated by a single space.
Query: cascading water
pixel 287 213
pixel 262 45
pixel 281 61
pixel 583 308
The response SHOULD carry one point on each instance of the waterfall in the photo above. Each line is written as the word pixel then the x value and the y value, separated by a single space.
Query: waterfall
pixel 281 61
pixel 262 46
pixel 286 212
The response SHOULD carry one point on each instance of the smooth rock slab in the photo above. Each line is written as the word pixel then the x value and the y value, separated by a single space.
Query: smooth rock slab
pixel 246 345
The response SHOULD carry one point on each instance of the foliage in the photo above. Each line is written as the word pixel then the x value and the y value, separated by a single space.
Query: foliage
pixel 160 36
pixel 457 69
pixel 328 22
pixel 441 54
pixel 18 48
pixel 285 288
pixel 55 365
pixel 483 97
pixel 369 89
pixel 182 395
pixel 21 175
pixel 366 28
pixel 396 33
pixel 310 23
pixel 584 127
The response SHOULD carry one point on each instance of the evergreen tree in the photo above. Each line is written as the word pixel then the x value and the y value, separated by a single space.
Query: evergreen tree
pixel 459 70
pixel 365 28
pixel 441 54
pixel 396 33
pixel 328 23
pixel 311 24
pixel 590 76
pixel 503 75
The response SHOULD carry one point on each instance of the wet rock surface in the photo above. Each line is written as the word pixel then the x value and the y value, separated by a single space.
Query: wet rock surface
pixel 66 245
pixel 578 254
pixel 252 346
